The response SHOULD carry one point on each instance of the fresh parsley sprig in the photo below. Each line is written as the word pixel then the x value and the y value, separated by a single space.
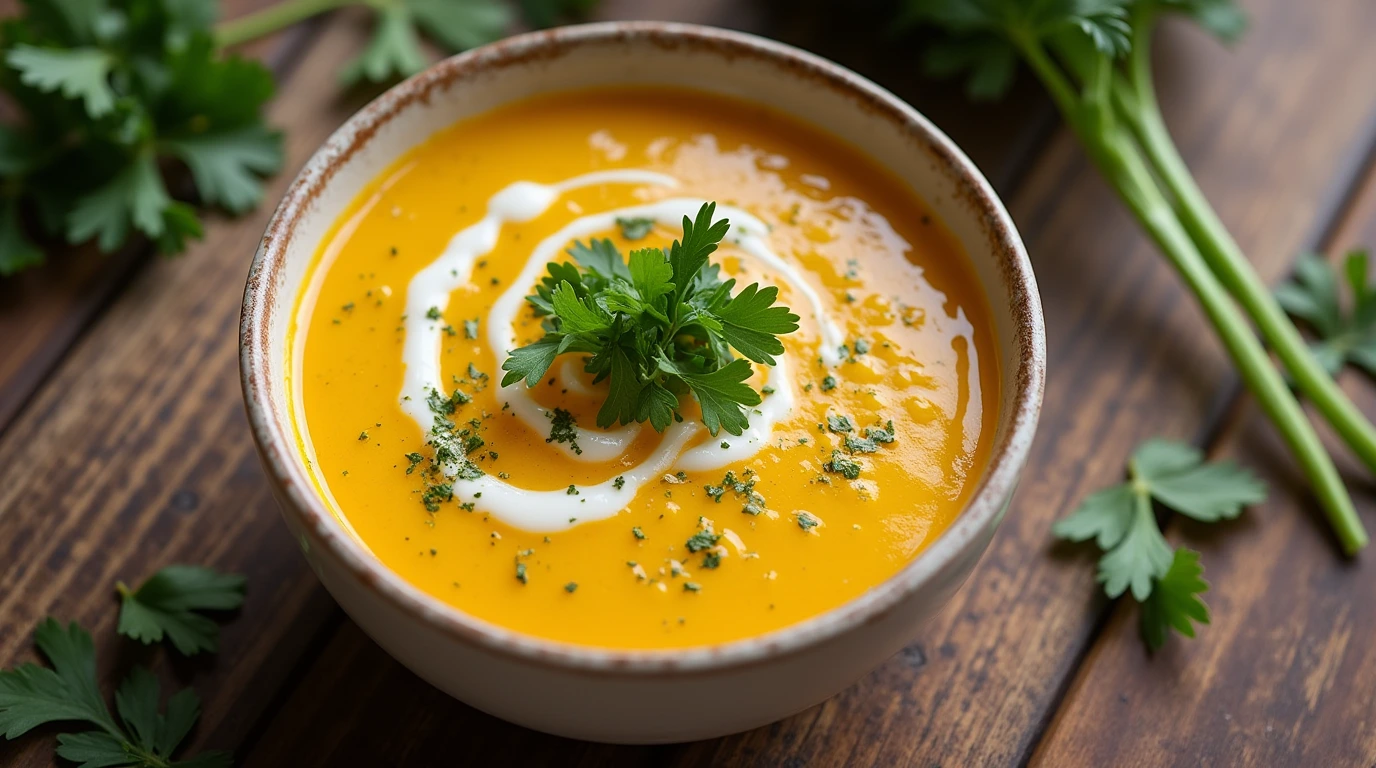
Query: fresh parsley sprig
pixel 1347 334
pixel 1137 559
pixel 657 326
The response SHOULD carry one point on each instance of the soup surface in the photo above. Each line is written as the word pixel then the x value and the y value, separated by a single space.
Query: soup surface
pixel 872 433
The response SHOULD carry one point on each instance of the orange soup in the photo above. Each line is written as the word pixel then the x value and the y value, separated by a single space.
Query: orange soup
pixel 864 439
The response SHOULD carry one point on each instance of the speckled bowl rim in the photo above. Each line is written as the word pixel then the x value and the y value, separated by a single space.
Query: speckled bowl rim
pixel 277 444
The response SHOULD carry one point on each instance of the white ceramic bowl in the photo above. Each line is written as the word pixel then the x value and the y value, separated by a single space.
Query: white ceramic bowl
pixel 619 695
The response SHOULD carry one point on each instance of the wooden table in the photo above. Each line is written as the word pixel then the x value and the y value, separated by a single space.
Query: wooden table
pixel 124 447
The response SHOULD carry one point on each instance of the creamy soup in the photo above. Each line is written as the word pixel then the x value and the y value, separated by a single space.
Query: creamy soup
pixel 870 433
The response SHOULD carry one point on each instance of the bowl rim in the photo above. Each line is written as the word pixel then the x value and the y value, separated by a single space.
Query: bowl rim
pixel 273 434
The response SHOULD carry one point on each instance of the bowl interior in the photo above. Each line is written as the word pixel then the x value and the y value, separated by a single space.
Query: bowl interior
pixel 643 53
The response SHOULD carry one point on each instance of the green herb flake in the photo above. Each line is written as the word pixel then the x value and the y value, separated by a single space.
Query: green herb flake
pixel 806 521
pixel 571 587
pixel 840 424
pixel 563 429
pixel 702 540
pixel 470 328
pixel 521 573
pixel 433 313
pixel 691 586
pixel 843 465
pixel 828 383
pixel 639 534
pixel 635 228
pixel 619 482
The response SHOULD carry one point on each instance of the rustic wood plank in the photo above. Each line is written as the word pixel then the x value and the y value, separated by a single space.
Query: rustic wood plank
pixel 44 311
pixel 135 453
pixel 1285 674
pixel 1129 359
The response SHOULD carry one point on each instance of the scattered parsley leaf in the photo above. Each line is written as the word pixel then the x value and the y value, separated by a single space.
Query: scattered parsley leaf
pixel 1346 334
pixel 68 692
pixel 702 540
pixel 659 326
pixel 1136 556
pixel 169 603
pixel 843 465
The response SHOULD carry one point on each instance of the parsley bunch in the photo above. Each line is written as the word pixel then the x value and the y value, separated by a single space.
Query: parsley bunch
pixel 112 93
pixel 122 100
pixel 1094 57
pixel 1136 557
pixel 657 326
pixel 68 692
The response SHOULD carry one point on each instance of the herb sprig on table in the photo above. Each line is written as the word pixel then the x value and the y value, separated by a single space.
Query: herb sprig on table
pixel 1346 334
pixel 131 118
pixel 1122 522
pixel 658 326
pixel 1094 58
pixel 69 692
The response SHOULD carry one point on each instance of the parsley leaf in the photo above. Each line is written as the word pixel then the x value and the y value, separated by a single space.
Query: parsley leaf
pixel 67 692
pixel 76 73
pixel 1175 603
pixel 657 326
pixel 1346 334
pixel 167 605
pixel 395 49
pixel 1136 556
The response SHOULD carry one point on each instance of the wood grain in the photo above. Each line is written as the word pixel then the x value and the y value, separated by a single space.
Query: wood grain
pixel 1285 672
pixel 45 310
pixel 1130 358
pixel 135 453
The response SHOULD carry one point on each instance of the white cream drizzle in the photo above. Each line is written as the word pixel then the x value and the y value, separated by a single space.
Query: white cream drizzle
pixel 549 511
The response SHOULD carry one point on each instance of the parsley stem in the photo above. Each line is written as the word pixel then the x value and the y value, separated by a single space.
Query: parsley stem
pixel 1134 183
pixel 272 19
pixel 1116 154
pixel 1226 259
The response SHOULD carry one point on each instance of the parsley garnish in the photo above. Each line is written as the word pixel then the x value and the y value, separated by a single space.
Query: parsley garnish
pixel 571 587
pixel 619 482
pixel 711 560
pixel 433 313
pixel 691 586
pixel 169 603
pixel 1136 556
pixel 639 534
pixel 807 522
pixel 68 692
pixel 470 328
pixel 521 572
pixel 828 383
pixel 1346 335
pixel 658 326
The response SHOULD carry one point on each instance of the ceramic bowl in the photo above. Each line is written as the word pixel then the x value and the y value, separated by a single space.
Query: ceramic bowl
pixel 621 695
